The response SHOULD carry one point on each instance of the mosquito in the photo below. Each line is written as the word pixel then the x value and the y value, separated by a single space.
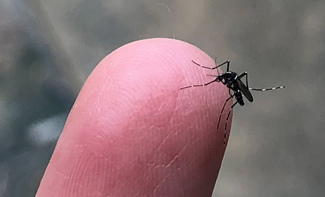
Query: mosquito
pixel 236 87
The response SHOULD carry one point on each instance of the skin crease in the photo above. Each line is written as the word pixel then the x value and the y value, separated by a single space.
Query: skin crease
pixel 132 132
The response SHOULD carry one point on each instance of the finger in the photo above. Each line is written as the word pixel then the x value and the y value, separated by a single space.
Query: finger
pixel 132 132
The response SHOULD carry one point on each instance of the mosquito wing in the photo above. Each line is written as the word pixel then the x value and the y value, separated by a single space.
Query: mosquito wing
pixel 244 89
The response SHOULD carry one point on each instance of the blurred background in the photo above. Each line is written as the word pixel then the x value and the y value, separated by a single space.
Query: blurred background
pixel 276 148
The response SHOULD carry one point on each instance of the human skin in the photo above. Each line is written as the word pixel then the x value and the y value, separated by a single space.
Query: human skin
pixel 133 132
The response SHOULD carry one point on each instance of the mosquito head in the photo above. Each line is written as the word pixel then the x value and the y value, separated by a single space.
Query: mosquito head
pixel 227 78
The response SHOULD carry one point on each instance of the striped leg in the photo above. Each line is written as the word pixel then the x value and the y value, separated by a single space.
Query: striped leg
pixel 212 68
pixel 223 108
pixel 245 74
pixel 267 89
pixel 225 132
pixel 199 85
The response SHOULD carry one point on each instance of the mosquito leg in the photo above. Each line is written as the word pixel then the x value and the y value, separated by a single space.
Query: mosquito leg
pixel 228 118
pixel 200 85
pixel 226 62
pixel 223 108
pixel 234 104
pixel 225 134
pixel 228 112
pixel 215 63
pixel 245 74
pixel 211 75
pixel 210 68
pixel 267 89
pixel 226 124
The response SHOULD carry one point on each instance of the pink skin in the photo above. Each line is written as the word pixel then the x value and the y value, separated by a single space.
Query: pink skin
pixel 132 132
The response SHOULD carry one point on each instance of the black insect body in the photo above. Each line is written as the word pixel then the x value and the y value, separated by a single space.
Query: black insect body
pixel 235 85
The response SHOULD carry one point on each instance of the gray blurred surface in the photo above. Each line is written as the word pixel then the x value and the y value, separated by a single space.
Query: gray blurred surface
pixel 48 48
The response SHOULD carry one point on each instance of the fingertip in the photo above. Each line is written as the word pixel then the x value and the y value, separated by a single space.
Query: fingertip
pixel 132 130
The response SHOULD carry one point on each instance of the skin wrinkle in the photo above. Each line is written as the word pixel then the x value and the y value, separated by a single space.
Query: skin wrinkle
pixel 160 146
pixel 159 184
pixel 99 141
pixel 167 166
pixel 105 84
pixel 161 143
pixel 168 127
pixel 84 173
pixel 158 151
